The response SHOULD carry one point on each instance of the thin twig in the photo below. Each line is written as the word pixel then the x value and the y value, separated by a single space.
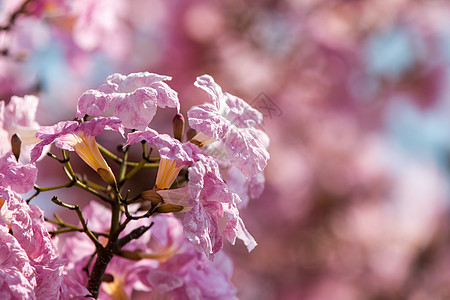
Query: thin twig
pixel 61 160
pixel 70 227
pixel 135 234
pixel 150 162
pixel 77 209
pixel 39 189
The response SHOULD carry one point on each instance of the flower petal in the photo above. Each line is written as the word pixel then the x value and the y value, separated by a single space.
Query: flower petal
pixel 168 147
pixel 132 98
pixel 235 228
pixel 65 134
pixel 201 228
pixel 136 109
pixel 246 151
pixel 17 176
pixel 206 83
pixel 230 120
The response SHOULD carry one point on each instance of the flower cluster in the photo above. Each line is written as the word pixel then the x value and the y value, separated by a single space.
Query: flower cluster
pixel 164 241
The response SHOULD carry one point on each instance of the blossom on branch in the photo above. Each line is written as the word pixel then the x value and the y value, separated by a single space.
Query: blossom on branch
pixel 133 98
pixel 76 137
pixel 174 154
pixel 77 249
pixel 161 263
pixel 212 199
pixel 203 198
pixel 230 120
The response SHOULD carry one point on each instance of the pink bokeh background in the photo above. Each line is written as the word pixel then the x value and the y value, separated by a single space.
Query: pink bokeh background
pixel 356 103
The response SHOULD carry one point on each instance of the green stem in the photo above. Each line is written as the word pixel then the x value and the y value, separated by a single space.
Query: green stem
pixel 77 209
pixel 109 153
pixel 39 189
pixel 128 163
pixel 94 185
pixel 123 166
pixel 61 160
pixel 132 172
pixel 66 157
pixel 70 227
pixel 51 188
pixel 83 186
pixel 32 196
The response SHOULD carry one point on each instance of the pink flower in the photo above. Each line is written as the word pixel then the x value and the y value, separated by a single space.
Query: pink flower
pixel 18 117
pixel 168 147
pixel 204 197
pixel 76 137
pixel 212 201
pixel 230 120
pixel 174 154
pixel 133 98
pixel 20 178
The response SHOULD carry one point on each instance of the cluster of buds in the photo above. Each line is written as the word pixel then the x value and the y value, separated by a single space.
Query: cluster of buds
pixel 156 240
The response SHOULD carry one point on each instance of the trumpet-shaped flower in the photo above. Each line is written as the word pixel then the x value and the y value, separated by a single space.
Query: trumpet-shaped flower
pixel 209 195
pixel 133 98
pixel 80 138
pixel 18 117
pixel 204 196
pixel 174 155
pixel 209 202
pixel 230 120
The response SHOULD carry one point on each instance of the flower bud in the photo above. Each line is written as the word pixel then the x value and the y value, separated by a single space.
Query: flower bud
pixel 16 143
pixel 178 126
pixel 151 196
pixel 168 208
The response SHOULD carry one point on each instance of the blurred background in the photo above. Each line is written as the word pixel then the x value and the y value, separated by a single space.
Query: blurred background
pixel 356 100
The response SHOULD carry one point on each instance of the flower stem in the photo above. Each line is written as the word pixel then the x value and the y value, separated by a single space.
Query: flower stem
pixel 150 161
pixel 69 227
pixel 82 220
